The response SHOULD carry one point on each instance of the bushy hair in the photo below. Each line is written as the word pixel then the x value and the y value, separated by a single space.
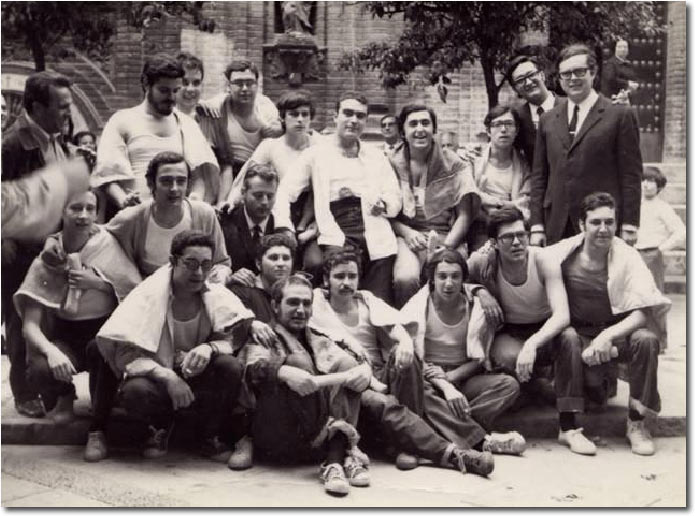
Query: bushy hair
pixel 158 66
pixel 446 256
pixel 653 173
pixel 497 112
pixel 516 62
pixel 408 109
pixel 275 240
pixel 292 100
pixel 345 255
pixel 262 170
pixel 163 158
pixel 191 238
pixel 504 215
pixel 594 201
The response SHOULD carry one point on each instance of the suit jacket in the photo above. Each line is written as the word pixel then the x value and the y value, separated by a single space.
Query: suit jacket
pixel 604 156
pixel 615 76
pixel 526 138
pixel 237 236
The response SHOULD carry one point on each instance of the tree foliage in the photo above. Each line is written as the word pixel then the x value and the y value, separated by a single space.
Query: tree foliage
pixel 85 26
pixel 453 33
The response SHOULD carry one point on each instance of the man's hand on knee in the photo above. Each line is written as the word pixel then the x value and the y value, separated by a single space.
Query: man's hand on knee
pixel 525 362
pixel 196 360
pixel 180 393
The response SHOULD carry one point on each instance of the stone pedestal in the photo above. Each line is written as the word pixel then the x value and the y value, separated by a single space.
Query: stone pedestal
pixel 295 57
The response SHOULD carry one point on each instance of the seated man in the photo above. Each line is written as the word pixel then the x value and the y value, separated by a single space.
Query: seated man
pixel 358 317
pixel 355 194
pixel 616 314
pixel 172 341
pixel 454 337
pixel 146 231
pixel 247 223
pixel 297 381
pixel 440 199
pixel 76 292
pixel 533 300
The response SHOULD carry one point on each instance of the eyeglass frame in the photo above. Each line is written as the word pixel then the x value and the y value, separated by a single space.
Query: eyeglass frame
pixel 508 238
pixel 579 73
pixel 205 265
pixel 522 80
pixel 509 124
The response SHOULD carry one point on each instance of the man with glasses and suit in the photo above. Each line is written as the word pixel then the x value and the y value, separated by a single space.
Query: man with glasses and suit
pixel 389 130
pixel 584 144
pixel 526 77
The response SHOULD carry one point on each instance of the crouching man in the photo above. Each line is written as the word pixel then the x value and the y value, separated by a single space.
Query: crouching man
pixel 300 381
pixel 173 341
pixel 616 314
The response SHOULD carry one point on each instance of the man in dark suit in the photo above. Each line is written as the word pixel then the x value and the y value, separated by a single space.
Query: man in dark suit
pixel 526 76
pixel 246 224
pixel 584 144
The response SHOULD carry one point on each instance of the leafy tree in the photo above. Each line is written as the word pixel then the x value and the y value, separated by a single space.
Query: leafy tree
pixel 449 34
pixel 89 26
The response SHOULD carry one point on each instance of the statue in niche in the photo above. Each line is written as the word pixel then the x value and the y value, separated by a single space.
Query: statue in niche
pixel 295 17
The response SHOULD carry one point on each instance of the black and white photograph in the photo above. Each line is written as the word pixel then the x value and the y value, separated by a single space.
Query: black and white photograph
pixel 343 254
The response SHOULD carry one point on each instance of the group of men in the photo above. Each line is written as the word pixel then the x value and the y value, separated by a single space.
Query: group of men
pixel 217 211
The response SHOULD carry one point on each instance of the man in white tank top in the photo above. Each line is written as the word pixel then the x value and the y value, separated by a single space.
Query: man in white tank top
pixel 133 136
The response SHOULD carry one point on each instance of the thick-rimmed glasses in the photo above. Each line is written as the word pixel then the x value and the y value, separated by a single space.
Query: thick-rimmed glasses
pixel 192 264
pixel 508 238
pixel 522 80
pixel 577 72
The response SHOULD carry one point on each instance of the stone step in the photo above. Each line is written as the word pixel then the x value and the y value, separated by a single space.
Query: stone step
pixel 675 171
pixel 675 193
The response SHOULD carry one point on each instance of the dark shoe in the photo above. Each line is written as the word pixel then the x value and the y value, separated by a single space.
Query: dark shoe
pixel 242 456
pixel 96 448
pixel 405 461
pixel 472 461
pixel 31 408
pixel 214 449
pixel 157 443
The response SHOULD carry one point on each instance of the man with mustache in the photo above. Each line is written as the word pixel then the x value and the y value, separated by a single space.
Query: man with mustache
pixel 133 136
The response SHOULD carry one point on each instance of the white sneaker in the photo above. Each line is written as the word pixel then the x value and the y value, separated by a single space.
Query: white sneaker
pixel 510 443
pixel 639 438
pixel 577 442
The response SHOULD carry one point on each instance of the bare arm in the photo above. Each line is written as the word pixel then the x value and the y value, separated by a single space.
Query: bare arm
pixel 551 274
pixel 464 217
pixel 226 180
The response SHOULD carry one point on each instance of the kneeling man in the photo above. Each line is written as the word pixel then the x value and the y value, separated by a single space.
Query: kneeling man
pixel 173 340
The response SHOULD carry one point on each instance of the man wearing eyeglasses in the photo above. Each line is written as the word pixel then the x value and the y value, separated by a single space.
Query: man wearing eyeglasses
pixel 237 126
pixel 389 130
pixel 528 80
pixel 529 289
pixel 173 342
pixel 584 144
pixel 356 192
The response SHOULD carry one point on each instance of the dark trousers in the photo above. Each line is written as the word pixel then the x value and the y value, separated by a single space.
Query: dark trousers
pixel 215 390
pixel 413 416
pixel 565 357
pixel 285 424
pixel 641 353
pixel 76 340
pixel 12 277
pixel 377 275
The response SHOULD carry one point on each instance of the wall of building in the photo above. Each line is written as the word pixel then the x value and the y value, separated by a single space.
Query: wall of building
pixel 675 114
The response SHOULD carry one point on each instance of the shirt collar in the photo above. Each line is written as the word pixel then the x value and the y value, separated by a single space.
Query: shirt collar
pixel 251 223
pixel 585 105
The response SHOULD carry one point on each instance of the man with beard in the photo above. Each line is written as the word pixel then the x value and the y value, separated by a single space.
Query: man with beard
pixel 133 136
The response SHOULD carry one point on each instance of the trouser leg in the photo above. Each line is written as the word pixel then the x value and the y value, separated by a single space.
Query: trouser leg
pixel 105 387
pixel 39 374
pixel 216 390
pixel 406 383
pixel 465 433
pixel 147 400
pixel 403 428
pixel 489 395
pixel 378 277
pixel 569 371
pixel 406 274
pixel 641 352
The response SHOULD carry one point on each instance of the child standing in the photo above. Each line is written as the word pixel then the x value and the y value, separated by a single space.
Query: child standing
pixel 661 229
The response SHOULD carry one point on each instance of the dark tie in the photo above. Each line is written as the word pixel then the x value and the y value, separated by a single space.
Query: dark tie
pixel 256 235
pixel 540 110
pixel 573 122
